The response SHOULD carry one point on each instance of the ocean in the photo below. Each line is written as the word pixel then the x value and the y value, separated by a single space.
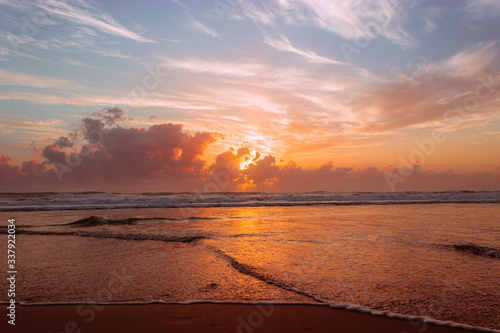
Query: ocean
pixel 433 254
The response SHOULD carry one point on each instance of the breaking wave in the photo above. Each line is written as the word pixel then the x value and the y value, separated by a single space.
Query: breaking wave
pixel 253 272
pixel 97 220
pixel 89 200
pixel 474 249
pixel 185 236
pixel 37 232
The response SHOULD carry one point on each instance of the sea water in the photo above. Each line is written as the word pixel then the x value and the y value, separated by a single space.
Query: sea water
pixel 433 254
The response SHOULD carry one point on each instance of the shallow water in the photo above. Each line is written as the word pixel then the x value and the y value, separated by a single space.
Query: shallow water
pixel 407 258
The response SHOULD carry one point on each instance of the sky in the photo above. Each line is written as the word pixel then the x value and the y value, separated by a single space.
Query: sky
pixel 231 95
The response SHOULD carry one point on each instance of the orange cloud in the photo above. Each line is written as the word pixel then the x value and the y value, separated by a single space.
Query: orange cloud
pixel 104 156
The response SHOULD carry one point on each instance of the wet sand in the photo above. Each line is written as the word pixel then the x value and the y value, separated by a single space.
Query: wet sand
pixel 208 317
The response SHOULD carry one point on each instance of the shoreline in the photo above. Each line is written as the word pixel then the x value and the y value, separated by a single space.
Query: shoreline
pixel 209 316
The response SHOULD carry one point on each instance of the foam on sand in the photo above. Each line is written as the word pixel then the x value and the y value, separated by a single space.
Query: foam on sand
pixel 200 316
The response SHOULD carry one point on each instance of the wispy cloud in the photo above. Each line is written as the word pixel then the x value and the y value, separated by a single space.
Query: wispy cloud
pixel 23 132
pixel 482 8
pixel 282 43
pixel 170 40
pixel 196 25
pixel 193 23
pixel 40 98
pixel 13 123
pixel 79 63
pixel 116 53
pixel 30 80
pixel 347 19
pixel 75 26
pixel 80 39
pixel 214 67
pixel 276 103
pixel 81 12
pixel 423 96
pixel 430 26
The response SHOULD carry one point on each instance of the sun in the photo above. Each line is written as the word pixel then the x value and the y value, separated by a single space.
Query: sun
pixel 245 163
pixel 248 159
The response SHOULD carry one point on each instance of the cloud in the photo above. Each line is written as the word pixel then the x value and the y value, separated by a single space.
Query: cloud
pixel 253 72
pixel 426 94
pixel 152 100
pixel 30 80
pixel 483 8
pixel 78 63
pixel 214 67
pixel 116 53
pixel 347 19
pixel 227 164
pixel 36 98
pixel 196 25
pixel 24 124
pixel 430 26
pixel 21 133
pixel 263 171
pixel 264 174
pixel 271 100
pixel 81 12
pixel 283 44
pixel 171 40
pixel 58 25
pixel 102 155
pixel 81 39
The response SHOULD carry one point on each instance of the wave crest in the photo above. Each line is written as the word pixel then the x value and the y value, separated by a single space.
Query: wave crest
pixel 474 249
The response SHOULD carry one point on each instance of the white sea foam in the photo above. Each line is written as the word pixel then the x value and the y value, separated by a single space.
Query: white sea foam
pixel 81 201
pixel 427 320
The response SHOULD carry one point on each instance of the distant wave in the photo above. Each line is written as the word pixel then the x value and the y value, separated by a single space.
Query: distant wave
pixel 474 249
pixel 94 221
pixel 97 220
pixel 91 200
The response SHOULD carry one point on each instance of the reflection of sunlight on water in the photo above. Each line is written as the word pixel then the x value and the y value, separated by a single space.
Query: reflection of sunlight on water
pixel 365 255
pixel 378 256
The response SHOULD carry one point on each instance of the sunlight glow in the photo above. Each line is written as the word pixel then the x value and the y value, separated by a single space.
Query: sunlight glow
pixel 248 159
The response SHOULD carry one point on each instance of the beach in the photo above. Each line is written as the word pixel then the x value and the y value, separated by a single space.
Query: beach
pixel 213 317
pixel 409 254
pixel 249 166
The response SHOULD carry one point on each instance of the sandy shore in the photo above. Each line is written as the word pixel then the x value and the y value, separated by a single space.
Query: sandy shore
pixel 206 317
